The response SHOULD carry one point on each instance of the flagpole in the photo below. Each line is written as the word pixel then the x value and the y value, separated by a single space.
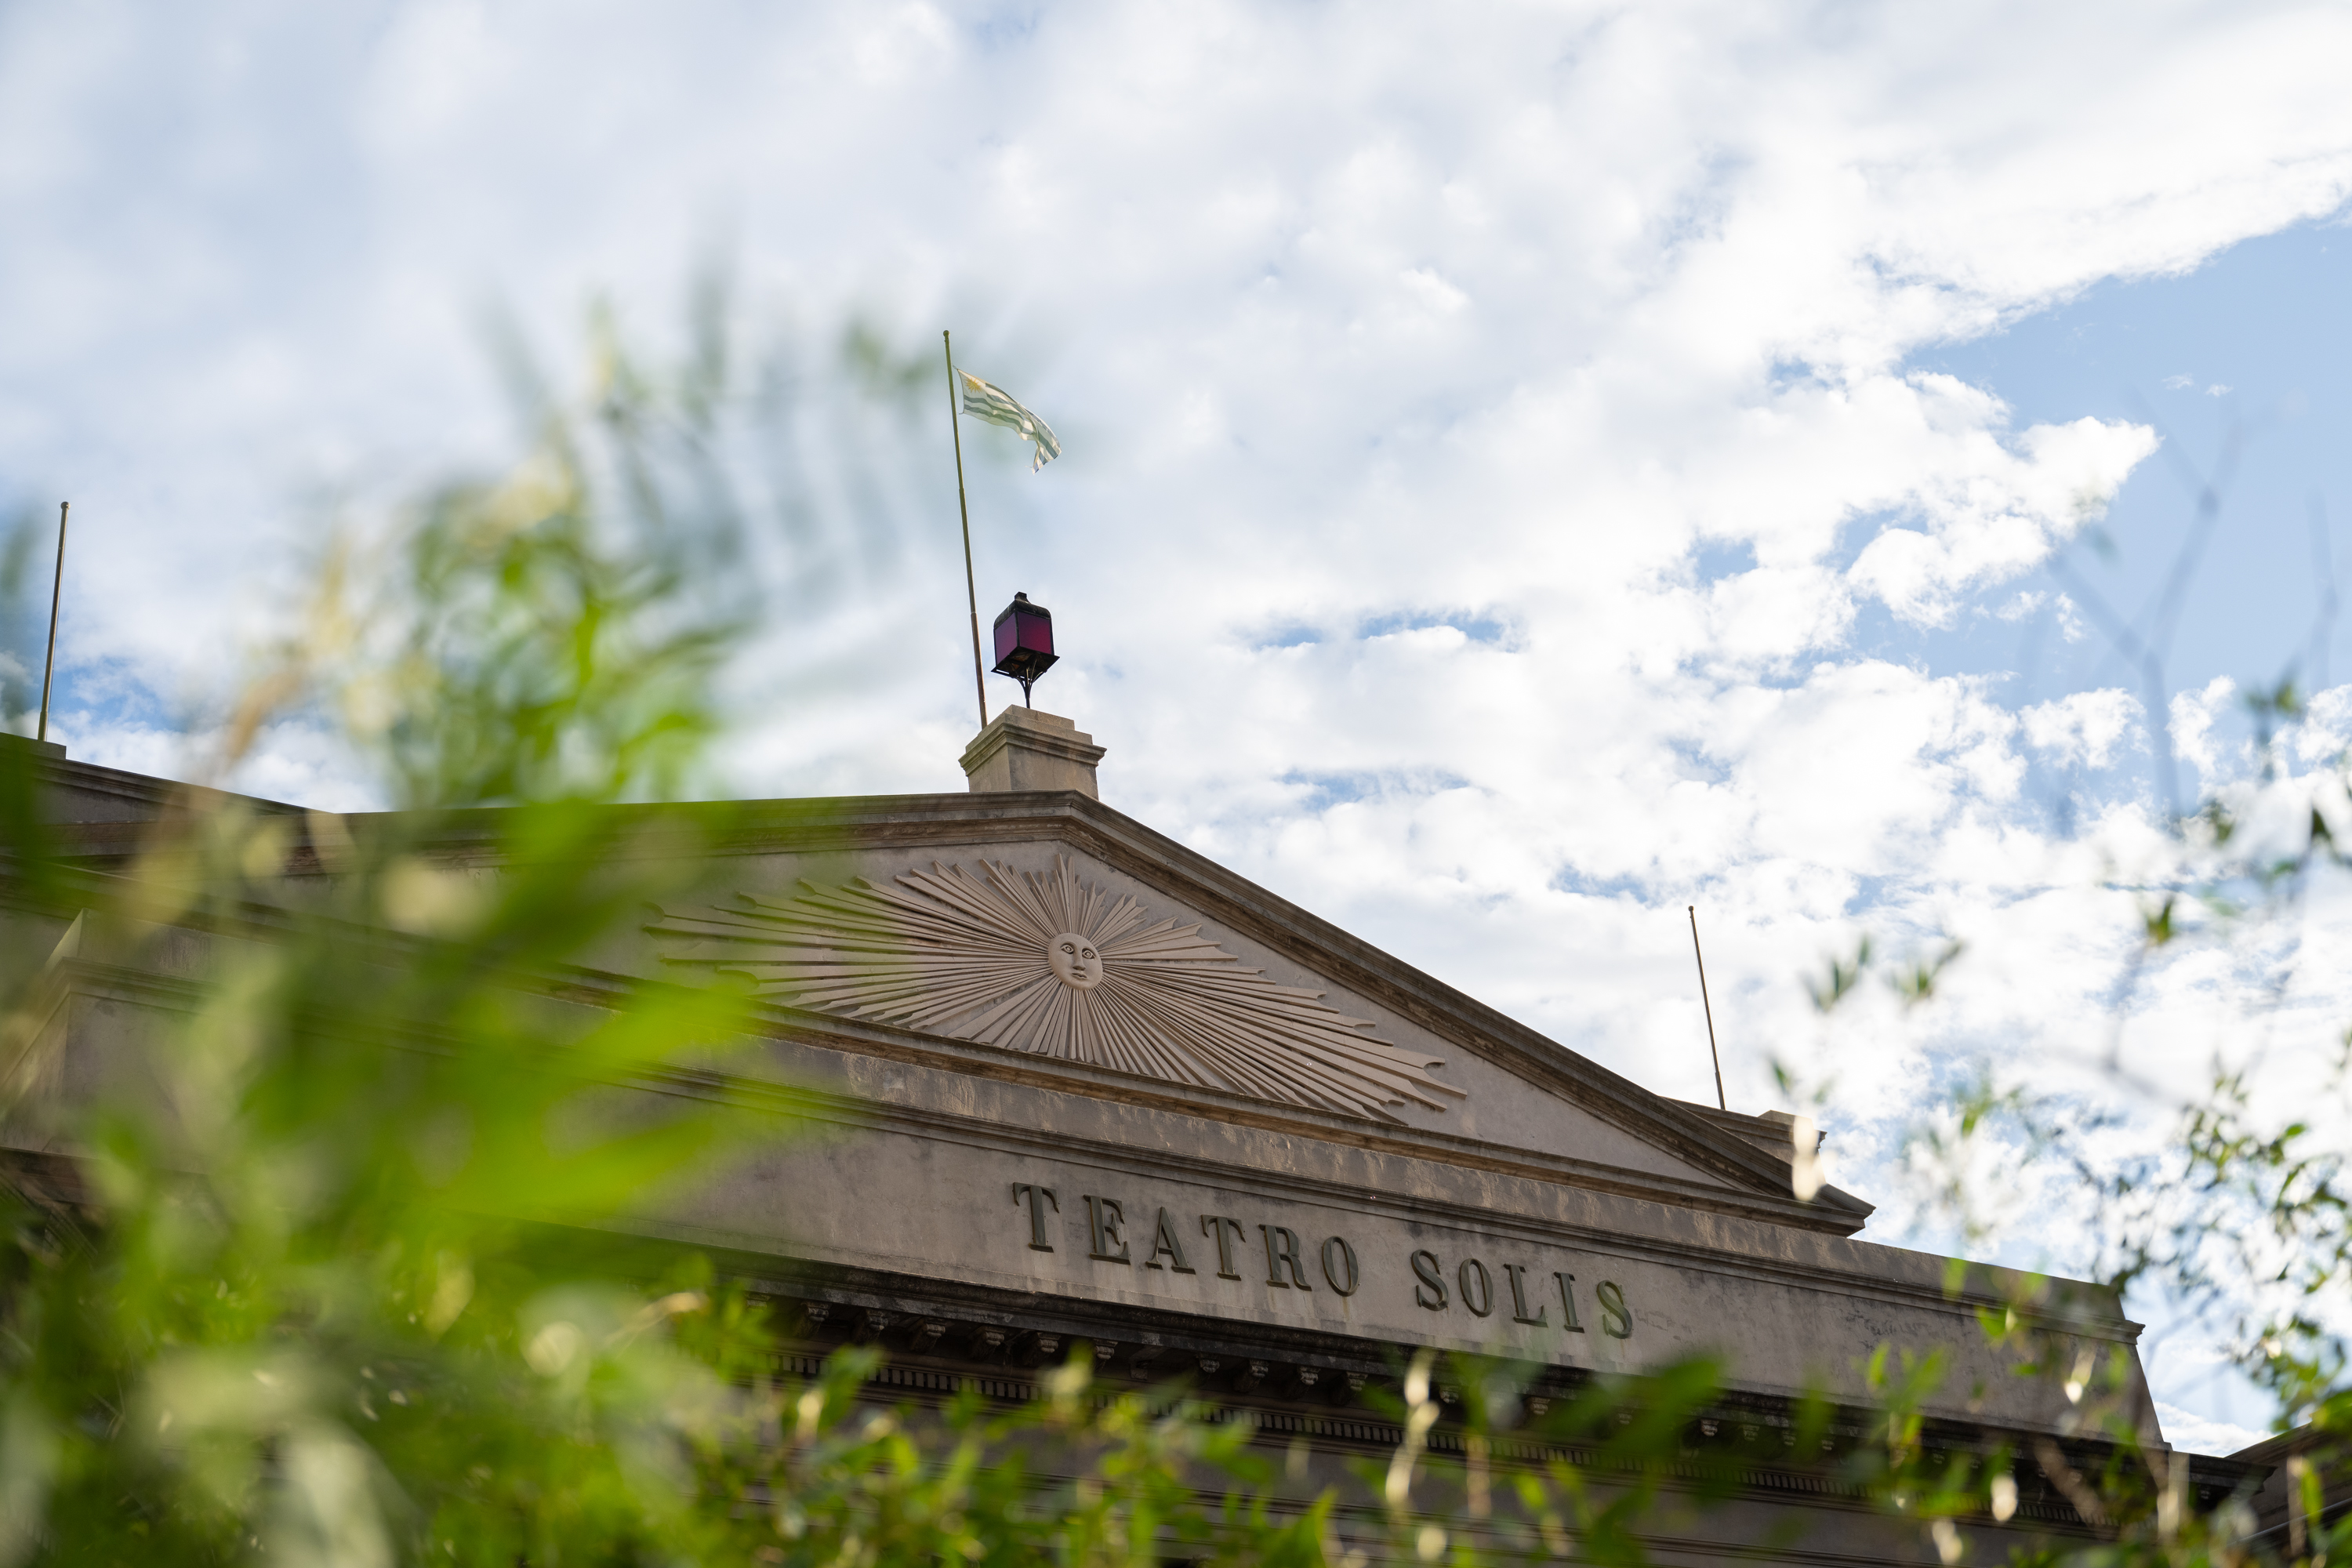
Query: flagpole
pixel 57 592
pixel 1721 1103
pixel 972 594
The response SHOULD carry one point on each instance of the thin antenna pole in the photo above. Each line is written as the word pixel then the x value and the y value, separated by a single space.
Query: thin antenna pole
pixel 971 593
pixel 57 592
pixel 1721 1103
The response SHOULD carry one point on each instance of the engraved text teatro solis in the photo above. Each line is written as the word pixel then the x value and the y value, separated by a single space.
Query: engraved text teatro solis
pixel 1168 1240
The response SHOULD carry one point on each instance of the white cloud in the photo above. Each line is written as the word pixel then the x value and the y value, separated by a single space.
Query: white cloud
pixel 1997 512
pixel 2027 602
pixel 2195 1434
pixel 2082 727
pixel 2194 715
pixel 2031 601
pixel 2325 730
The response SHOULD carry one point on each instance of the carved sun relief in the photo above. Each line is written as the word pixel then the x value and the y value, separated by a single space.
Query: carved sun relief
pixel 1053 965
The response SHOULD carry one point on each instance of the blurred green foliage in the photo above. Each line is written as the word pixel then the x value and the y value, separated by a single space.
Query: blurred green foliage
pixel 311 1288
pixel 2238 1218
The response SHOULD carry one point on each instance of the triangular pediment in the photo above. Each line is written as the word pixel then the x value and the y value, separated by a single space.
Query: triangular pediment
pixel 927 928
pixel 1074 940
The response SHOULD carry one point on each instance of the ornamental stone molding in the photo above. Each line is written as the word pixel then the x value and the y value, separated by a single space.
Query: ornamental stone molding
pixel 1024 749
pixel 1053 965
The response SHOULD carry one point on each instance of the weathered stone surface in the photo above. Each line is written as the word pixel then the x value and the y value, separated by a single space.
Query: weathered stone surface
pixel 1022 749
pixel 919 1172
pixel 981 1200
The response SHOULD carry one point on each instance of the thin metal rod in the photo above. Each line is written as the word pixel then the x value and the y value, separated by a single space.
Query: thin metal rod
pixel 1721 1103
pixel 57 593
pixel 971 592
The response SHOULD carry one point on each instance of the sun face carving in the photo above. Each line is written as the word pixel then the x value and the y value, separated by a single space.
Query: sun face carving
pixel 1053 965
pixel 1074 962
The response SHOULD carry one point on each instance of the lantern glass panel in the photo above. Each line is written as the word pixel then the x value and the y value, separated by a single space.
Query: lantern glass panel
pixel 1024 635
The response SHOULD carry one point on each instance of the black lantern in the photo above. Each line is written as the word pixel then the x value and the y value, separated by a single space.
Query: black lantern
pixel 1025 642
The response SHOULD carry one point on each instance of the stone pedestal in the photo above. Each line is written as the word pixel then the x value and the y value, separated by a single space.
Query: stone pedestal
pixel 1022 749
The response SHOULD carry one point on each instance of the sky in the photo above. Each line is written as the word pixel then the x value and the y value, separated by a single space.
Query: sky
pixel 1527 471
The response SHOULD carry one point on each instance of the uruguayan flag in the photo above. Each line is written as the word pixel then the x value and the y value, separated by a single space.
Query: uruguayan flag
pixel 995 405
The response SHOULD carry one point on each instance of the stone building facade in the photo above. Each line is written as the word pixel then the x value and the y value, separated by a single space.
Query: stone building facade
pixel 1074 1084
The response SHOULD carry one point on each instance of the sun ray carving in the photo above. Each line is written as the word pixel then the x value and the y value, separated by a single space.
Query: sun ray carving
pixel 1048 963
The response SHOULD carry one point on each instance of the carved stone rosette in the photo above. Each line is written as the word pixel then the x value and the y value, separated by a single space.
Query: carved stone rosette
pixel 1053 965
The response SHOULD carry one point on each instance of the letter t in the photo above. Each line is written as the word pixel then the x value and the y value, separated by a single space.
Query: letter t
pixel 1037 1197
